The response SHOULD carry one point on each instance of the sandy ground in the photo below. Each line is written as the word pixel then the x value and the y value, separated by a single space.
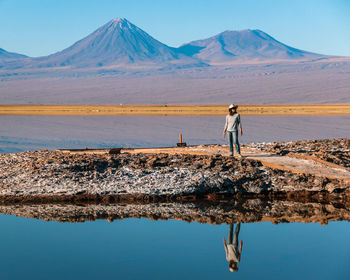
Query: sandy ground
pixel 265 83
pixel 298 165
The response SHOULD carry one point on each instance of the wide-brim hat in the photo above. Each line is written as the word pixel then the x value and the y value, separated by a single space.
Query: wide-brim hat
pixel 232 106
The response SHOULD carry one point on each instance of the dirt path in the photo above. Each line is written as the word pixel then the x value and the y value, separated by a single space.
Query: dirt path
pixel 299 165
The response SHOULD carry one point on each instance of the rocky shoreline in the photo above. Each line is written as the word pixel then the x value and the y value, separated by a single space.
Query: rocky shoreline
pixel 54 176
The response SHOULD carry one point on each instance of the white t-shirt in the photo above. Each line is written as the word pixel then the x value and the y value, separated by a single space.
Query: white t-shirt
pixel 233 122
pixel 232 254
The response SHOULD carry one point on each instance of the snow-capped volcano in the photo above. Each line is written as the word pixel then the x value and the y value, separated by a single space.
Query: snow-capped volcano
pixel 117 42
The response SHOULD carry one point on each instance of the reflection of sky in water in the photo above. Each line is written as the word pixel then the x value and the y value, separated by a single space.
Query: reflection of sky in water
pixel 20 133
pixel 144 249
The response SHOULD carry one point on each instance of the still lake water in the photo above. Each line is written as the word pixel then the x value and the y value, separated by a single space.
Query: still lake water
pixel 20 133
pixel 144 249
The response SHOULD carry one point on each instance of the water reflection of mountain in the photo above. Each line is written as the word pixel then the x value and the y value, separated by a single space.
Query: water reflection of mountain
pixel 245 211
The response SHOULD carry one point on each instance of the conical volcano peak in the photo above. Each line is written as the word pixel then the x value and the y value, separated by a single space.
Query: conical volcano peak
pixel 119 20
pixel 120 23
pixel 118 42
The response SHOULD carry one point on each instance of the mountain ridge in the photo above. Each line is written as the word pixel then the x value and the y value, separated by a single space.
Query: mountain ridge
pixel 246 44
pixel 10 55
pixel 121 43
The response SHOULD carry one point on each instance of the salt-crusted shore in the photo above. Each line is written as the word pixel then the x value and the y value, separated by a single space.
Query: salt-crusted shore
pixel 54 176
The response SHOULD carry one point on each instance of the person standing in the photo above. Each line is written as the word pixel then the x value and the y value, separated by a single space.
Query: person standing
pixel 232 124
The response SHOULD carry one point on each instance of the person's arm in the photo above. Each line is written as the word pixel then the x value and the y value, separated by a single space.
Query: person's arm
pixel 240 250
pixel 225 245
pixel 240 125
pixel 225 129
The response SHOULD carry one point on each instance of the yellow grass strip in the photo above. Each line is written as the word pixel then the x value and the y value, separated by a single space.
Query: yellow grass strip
pixel 175 110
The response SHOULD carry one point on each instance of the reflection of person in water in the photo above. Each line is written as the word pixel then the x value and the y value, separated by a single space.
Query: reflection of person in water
pixel 233 254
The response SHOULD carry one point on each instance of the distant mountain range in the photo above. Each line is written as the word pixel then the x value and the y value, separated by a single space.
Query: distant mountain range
pixel 121 64
pixel 121 43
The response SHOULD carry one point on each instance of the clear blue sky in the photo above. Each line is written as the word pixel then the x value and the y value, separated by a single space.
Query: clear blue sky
pixel 42 27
